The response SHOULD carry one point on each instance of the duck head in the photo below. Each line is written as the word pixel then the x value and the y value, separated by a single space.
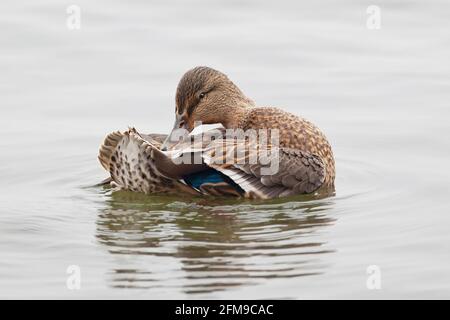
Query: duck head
pixel 206 96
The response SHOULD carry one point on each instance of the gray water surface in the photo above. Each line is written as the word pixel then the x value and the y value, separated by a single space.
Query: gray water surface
pixel 381 96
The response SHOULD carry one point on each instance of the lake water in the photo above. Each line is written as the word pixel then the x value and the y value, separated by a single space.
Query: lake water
pixel 381 96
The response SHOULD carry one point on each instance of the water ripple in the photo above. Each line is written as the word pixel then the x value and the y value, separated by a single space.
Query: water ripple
pixel 206 246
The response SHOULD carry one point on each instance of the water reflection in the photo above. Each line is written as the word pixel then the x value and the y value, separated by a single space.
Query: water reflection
pixel 200 245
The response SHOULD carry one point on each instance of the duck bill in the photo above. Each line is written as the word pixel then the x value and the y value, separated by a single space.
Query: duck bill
pixel 179 132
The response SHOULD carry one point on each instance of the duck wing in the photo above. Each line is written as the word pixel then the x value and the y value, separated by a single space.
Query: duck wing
pixel 263 171
pixel 155 139
pixel 135 163
pixel 298 172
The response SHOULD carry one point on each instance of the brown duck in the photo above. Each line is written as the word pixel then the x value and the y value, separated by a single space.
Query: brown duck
pixel 145 163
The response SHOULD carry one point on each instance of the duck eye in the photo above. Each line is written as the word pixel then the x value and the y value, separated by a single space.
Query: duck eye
pixel 202 95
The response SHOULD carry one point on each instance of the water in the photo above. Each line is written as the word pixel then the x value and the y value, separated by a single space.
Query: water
pixel 381 96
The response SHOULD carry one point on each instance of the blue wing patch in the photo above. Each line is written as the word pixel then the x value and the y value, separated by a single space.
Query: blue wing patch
pixel 210 175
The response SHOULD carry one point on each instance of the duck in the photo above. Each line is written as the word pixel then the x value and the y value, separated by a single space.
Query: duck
pixel 295 158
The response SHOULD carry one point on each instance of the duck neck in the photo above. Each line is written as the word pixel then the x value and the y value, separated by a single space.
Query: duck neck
pixel 236 115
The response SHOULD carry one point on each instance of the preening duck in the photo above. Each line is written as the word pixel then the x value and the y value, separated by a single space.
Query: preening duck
pixel 211 161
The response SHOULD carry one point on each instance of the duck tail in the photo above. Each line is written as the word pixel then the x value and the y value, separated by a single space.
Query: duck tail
pixel 108 148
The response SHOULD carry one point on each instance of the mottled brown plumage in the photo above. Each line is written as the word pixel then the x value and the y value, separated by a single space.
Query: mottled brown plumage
pixel 295 133
pixel 134 163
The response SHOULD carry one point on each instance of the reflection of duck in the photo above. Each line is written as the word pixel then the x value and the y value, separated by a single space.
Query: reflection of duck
pixel 304 160
pixel 209 247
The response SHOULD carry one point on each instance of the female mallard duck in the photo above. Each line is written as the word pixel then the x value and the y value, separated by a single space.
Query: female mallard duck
pixel 147 163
